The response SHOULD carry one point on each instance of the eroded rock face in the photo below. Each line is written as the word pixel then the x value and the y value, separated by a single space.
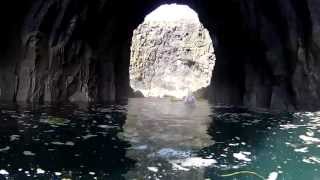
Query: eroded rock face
pixel 171 58
pixel 54 58
pixel 267 51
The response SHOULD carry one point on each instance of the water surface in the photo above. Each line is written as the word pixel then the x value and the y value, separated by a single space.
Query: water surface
pixel 156 139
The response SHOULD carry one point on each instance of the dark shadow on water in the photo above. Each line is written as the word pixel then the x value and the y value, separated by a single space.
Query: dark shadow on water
pixel 76 141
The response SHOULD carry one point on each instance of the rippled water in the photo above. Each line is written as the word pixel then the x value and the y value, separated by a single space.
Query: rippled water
pixel 156 139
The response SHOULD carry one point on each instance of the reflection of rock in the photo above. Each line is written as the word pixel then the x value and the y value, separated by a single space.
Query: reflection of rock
pixel 168 58
pixel 165 123
pixel 171 153
pixel 161 130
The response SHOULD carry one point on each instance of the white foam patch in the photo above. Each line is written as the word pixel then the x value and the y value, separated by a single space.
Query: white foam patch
pixel 57 173
pixel 40 171
pixel 198 162
pixel 302 150
pixel 192 162
pixel 233 144
pixel 242 156
pixel 172 13
pixel 153 169
pixel 290 126
pixel 178 167
pixel 310 133
pixel 273 176
pixel 311 160
pixel 4 172
pixel 309 140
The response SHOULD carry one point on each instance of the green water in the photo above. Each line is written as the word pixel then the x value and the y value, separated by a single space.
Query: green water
pixel 156 139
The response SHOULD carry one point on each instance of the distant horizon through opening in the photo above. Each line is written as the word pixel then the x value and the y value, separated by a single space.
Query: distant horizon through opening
pixel 172 12
pixel 171 53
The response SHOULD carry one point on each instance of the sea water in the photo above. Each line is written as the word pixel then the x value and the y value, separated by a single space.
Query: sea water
pixel 151 138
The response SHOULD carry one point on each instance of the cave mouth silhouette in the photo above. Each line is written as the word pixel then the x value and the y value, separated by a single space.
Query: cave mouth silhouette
pixel 171 53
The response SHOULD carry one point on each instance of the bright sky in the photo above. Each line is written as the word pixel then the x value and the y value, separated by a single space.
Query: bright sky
pixel 172 12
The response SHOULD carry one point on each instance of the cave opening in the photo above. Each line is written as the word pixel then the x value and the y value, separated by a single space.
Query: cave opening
pixel 171 54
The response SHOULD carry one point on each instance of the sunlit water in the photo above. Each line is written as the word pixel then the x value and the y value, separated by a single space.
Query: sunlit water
pixel 156 139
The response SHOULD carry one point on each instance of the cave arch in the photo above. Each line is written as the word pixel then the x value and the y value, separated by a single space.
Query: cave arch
pixel 227 87
pixel 171 53
pixel 266 50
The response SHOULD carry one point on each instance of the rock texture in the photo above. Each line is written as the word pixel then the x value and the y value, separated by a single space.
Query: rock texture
pixel 171 58
pixel 54 58
pixel 267 51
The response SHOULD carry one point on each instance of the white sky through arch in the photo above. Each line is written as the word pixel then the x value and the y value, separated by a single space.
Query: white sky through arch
pixel 172 13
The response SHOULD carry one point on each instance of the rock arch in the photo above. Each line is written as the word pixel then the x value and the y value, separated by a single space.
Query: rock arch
pixel 267 51
pixel 171 53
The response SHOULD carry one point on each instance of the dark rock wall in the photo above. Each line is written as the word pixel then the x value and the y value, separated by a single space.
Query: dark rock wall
pixel 266 53
pixel 57 50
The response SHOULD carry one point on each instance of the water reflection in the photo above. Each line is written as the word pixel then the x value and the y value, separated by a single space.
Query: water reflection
pixel 63 141
pixel 161 132
pixel 156 139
